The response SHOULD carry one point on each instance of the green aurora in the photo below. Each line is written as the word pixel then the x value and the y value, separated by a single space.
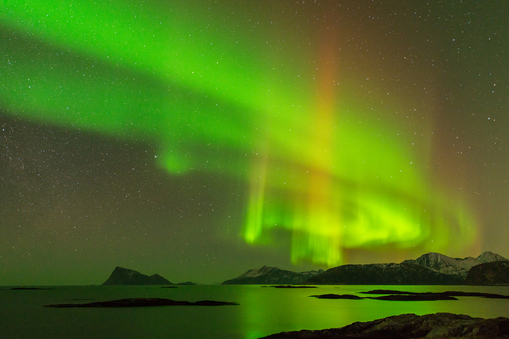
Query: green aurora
pixel 223 95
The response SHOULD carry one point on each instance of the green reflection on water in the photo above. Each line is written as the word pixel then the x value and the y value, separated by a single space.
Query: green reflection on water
pixel 262 311
pixel 266 311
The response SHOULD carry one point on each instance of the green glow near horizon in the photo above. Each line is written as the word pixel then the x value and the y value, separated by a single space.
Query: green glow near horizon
pixel 217 101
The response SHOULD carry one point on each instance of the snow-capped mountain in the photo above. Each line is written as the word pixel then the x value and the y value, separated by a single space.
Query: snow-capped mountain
pixel 490 257
pixel 271 275
pixel 453 266
pixel 384 274
pixel 429 269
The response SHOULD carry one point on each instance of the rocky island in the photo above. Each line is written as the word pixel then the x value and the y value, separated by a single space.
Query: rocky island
pixel 391 295
pixel 143 302
pixel 125 276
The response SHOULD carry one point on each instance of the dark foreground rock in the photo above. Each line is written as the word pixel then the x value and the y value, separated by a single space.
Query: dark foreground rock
pixel 125 276
pixel 144 302
pixel 493 273
pixel 439 325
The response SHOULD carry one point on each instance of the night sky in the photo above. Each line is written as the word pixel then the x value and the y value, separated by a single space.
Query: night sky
pixel 199 139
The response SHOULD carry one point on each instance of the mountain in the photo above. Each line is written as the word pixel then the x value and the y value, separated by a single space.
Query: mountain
pixel 488 256
pixel 429 269
pixel 491 273
pixel 271 275
pixel 384 274
pixel 453 266
pixel 125 276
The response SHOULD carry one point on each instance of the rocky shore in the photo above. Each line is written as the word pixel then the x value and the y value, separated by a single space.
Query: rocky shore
pixel 439 325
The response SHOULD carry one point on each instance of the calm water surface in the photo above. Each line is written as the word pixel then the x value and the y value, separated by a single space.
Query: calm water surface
pixel 262 311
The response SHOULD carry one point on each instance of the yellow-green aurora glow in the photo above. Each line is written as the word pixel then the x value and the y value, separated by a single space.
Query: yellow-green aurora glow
pixel 238 97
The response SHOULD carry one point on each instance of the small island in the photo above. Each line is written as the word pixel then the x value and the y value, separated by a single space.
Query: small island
pixel 290 286
pixel 391 295
pixel 144 302
pixel 336 296
pixel 30 288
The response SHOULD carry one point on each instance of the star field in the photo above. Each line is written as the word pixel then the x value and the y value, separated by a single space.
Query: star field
pixel 201 139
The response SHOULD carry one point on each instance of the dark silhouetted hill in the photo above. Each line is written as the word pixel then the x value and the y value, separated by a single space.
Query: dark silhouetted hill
pixel 125 276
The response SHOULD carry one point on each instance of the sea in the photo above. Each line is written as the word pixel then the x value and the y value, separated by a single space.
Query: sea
pixel 261 310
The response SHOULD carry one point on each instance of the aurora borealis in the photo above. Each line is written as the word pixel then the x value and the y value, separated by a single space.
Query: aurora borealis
pixel 200 139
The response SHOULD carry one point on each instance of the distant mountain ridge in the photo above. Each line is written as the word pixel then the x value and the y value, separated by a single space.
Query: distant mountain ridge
pixel 453 266
pixel 383 274
pixel 271 275
pixel 429 269
pixel 125 276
